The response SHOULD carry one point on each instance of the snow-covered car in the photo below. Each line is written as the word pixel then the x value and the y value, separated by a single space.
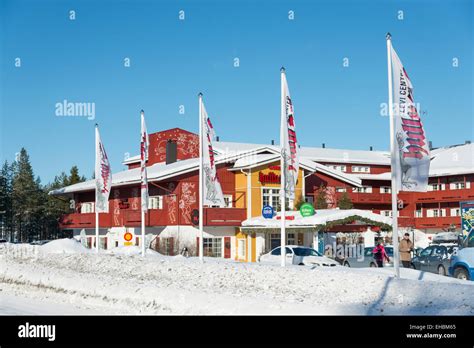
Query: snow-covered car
pixel 298 255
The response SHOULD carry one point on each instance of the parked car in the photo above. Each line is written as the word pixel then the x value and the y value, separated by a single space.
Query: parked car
pixel 435 258
pixel 39 242
pixel 3 241
pixel 368 259
pixel 462 263
pixel 298 255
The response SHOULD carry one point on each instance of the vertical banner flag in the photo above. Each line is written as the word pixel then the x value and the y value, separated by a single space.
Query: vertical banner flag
pixel 144 143
pixel 412 151
pixel 212 188
pixel 288 143
pixel 103 176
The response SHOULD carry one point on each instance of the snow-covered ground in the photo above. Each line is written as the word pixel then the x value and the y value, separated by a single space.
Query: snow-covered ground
pixel 63 277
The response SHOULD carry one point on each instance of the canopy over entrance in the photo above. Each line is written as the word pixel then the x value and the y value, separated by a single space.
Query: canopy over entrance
pixel 323 219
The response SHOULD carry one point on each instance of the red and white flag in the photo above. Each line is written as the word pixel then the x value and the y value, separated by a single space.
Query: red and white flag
pixel 411 145
pixel 213 195
pixel 288 142
pixel 144 143
pixel 103 176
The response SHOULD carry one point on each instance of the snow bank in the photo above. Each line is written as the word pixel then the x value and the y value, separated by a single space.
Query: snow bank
pixel 117 284
pixel 63 246
pixel 132 250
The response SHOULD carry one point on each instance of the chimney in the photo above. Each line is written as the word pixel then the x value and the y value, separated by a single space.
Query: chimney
pixel 171 151
pixel 217 138
pixel 324 145
pixel 273 142
pixel 371 148
pixel 430 145
pixel 467 142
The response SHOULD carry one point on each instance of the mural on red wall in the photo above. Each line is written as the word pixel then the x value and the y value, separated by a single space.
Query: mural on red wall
pixel 135 199
pixel 116 201
pixel 187 200
pixel 187 144
pixel 331 197
pixel 171 202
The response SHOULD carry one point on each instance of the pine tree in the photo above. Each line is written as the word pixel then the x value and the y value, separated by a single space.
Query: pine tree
pixel 345 202
pixel 321 202
pixel 74 177
pixel 26 198
pixel 6 225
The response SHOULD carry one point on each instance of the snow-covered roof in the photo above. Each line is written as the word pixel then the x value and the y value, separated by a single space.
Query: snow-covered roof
pixel 452 160
pixel 322 217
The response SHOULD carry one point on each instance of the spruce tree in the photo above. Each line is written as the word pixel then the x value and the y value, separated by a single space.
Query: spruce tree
pixel 6 225
pixel 26 198
pixel 345 202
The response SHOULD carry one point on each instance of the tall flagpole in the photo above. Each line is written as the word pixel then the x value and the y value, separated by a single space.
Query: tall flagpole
pixel 201 188
pixel 282 173
pixel 95 208
pixel 394 164
pixel 142 153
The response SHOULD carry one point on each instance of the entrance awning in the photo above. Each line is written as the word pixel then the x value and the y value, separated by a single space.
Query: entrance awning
pixel 323 219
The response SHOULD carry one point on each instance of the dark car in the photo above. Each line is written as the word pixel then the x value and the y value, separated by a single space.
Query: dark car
pixel 434 259
pixel 368 259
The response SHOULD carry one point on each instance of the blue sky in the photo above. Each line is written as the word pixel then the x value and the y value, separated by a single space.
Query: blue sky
pixel 82 60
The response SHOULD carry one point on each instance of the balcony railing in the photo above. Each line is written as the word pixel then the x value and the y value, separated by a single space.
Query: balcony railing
pixel 445 196
pixel 437 222
pixel 154 217
pixel 368 198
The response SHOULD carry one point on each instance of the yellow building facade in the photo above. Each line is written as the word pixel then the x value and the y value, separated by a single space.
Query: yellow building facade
pixel 261 185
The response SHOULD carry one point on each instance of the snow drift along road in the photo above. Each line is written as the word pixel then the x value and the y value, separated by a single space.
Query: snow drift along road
pixel 120 283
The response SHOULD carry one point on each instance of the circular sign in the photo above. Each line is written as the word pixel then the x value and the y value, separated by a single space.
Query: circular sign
pixel 127 236
pixel 267 212
pixel 307 209
pixel 195 217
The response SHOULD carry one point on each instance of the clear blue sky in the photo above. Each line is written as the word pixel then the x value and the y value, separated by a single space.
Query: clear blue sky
pixel 173 60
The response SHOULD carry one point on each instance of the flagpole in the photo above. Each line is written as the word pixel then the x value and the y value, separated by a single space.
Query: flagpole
pixel 282 173
pixel 143 145
pixel 394 166
pixel 95 208
pixel 201 188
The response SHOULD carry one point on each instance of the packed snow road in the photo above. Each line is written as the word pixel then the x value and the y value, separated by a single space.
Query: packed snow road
pixel 76 280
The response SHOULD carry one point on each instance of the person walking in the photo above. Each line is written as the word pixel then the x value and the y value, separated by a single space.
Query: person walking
pixel 406 247
pixel 380 254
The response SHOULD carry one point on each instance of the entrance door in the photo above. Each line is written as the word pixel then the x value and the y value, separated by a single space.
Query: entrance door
pixel 321 242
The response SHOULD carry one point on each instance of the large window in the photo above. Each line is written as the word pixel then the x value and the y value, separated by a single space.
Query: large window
pixel 212 247
pixel 460 185
pixel 342 168
pixel 241 248
pixel 271 197
pixel 385 189
pixel 436 187
pixel 455 211
pixel 435 212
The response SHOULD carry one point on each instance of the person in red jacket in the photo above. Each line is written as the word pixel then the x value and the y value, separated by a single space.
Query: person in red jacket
pixel 379 254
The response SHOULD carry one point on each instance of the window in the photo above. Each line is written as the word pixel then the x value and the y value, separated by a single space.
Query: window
pixel 418 213
pixel 155 202
pixel 309 199
pixel 459 185
pixel 213 247
pixel 290 239
pixel 360 169
pixel 388 213
pixel 87 207
pixel 241 248
pixel 363 189
pixel 341 189
pixel 436 187
pixel 427 251
pixel 276 252
pixel 342 168
pixel 228 200
pixel 455 211
pixel 385 189
pixel 271 197
pixel 435 212
pixel 305 252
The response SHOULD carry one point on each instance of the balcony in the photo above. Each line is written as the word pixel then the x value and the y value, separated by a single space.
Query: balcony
pixel 84 220
pixel 444 196
pixel 224 216
pixel 368 198
pixel 154 217
pixel 437 222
